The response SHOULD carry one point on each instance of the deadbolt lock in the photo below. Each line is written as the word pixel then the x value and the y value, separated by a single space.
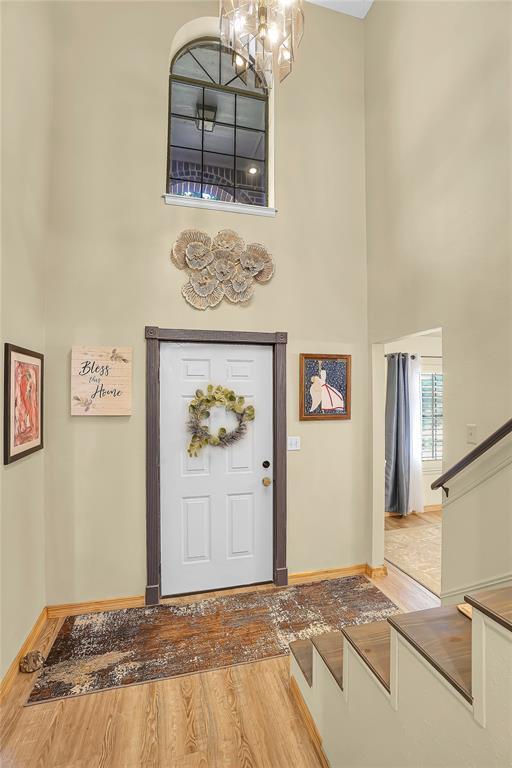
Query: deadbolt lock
pixel 266 481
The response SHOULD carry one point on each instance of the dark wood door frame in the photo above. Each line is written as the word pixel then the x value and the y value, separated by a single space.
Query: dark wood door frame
pixel 154 337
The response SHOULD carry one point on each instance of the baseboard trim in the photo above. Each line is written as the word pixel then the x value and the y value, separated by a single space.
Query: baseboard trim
pixel 308 721
pixel 94 606
pixel 361 569
pixel 62 610
pixel 456 595
pixel 12 670
pixel 328 573
pixel 374 572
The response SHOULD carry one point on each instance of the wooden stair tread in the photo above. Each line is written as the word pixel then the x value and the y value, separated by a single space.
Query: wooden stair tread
pixel 330 647
pixel 443 637
pixel 495 603
pixel 372 643
pixel 466 609
pixel 303 653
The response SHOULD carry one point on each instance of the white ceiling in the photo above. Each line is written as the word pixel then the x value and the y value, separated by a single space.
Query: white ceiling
pixel 357 8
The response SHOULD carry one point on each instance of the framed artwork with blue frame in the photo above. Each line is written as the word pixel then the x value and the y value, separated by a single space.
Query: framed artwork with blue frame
pixel 324 387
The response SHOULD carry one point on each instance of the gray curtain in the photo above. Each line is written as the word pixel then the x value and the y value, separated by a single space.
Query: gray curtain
pixel 397 434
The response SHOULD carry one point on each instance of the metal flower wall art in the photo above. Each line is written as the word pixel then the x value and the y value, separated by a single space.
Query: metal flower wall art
pixel 220 267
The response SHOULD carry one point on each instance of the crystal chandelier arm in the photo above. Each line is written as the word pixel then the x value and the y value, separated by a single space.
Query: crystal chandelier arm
pixel 264 33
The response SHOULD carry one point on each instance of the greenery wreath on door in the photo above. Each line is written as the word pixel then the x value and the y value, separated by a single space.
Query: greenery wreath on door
pixel 199 410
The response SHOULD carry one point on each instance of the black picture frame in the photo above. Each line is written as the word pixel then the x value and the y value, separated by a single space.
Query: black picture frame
pixel 10 352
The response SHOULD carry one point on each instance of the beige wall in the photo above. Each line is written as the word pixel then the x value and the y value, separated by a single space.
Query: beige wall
pixel 26 102
pixel 439 170
pixel 437 198
pixel 109 275
pixel 438 128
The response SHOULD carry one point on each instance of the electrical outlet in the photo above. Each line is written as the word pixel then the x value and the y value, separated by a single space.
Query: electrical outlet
pixel 294 443
pixel 471 438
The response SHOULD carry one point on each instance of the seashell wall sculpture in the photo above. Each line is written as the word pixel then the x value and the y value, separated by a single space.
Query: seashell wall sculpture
pixel 218 268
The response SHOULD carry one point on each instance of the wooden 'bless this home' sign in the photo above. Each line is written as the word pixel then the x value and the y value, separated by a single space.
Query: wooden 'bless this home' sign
pixel 101 381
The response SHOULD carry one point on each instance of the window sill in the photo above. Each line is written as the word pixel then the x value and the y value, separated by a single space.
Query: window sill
pixel 432 466
pixel 216 205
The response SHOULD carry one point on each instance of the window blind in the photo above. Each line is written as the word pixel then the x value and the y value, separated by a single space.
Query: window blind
pixel 432 416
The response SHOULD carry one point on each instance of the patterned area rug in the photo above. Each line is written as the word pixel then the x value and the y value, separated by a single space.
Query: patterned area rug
pixel 98 651
pixel 417 551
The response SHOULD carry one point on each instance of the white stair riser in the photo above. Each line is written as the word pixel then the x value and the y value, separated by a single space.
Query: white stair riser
pixel 424 721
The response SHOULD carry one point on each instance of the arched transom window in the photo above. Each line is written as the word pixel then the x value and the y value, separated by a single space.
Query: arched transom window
pixel 218 116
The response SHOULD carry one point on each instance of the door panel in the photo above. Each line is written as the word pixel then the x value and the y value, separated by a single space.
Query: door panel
pixel 241 525
pixel 196 523
pixel 240 370
pixel 216 515
pixel 240 456
pixel 195 465
pixel 195 370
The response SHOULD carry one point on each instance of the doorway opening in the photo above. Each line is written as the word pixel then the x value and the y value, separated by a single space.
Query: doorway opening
pixel 409 428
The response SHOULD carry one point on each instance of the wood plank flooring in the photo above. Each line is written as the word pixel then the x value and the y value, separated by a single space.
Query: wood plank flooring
pixel 241 717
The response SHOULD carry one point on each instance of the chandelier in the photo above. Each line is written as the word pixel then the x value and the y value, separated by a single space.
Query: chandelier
pixel 265 33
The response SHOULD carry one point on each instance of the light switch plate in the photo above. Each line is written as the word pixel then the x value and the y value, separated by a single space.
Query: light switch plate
pixel 471 438
pixel 294 443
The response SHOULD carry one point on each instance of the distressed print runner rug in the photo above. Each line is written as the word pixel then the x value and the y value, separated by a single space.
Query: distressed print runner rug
pixel 112 649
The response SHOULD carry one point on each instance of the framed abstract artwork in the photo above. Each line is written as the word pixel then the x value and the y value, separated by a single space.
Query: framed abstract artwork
pixel 324 387
pixel 23 402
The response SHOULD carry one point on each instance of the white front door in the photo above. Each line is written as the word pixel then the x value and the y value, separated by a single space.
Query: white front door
pixel 216 513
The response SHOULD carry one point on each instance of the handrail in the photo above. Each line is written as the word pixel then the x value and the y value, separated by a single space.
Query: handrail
pixel 472 456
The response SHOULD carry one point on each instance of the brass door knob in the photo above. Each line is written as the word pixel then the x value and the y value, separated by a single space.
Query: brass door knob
pixel 266 481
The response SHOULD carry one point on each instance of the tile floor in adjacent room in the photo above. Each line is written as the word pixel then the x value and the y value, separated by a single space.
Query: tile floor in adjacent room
pixel 413 544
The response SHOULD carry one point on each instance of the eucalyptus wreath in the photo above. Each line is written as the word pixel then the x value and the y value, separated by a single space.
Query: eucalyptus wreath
pixel 199 410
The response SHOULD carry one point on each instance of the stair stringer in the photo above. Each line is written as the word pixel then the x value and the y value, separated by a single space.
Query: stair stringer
pixel 310 694
pixel 424 721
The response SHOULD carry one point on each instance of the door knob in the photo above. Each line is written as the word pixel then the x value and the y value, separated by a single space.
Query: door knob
pixel 266 481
